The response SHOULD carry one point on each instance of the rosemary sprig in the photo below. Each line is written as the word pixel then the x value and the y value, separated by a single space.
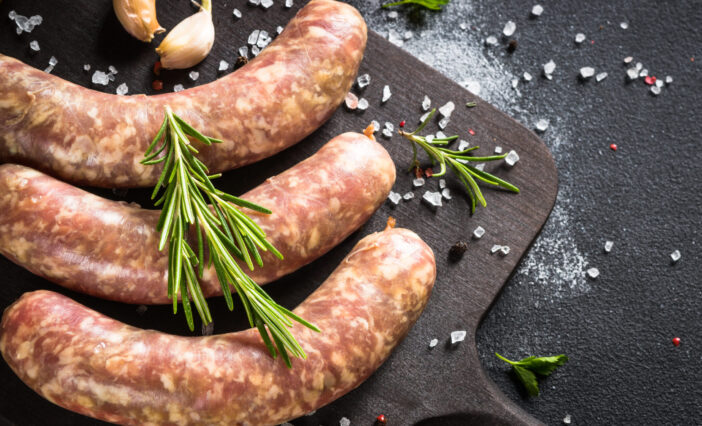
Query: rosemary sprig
pixel 221 228
pixel 456 161
pixel 429 4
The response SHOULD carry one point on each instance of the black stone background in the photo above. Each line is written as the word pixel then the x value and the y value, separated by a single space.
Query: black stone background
pixel 645 197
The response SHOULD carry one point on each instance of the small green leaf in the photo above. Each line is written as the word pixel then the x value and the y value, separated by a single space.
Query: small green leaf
pixel 429 4
pixel 545 365
pixel 528 379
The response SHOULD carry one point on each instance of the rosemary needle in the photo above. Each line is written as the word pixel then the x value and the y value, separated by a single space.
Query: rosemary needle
pixel 457 161
pixel 190 199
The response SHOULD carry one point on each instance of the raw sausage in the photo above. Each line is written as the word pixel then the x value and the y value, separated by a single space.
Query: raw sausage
pixel 280 97
pixel 81 360
pixel 110 249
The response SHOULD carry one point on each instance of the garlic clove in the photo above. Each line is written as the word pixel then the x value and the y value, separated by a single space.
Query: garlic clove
pixel 138 17
pixel 189 42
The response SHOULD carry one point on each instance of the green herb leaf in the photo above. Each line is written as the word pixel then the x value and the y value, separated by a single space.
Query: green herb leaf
pixel 222 228
pixel 429 4
pixel 527 369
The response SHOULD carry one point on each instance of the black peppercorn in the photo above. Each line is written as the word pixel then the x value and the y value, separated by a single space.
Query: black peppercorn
pixel 457 250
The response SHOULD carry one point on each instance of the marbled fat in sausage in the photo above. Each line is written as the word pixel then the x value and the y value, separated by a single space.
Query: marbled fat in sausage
pixel 86 362
pixel 93 138
pixel 110 249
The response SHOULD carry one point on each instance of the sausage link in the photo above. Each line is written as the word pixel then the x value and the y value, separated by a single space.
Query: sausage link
pixel 93 138
pixel 86 362
pixel 110 250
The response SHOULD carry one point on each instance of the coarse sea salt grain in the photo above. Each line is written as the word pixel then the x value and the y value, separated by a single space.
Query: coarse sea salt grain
pixel 443 123
pixel 480 166
pixel 244 51
pixel 542 125
pixel 668 79
pixel 527 76
pixel 288 3
pixel 376 125
pixel 628 59
pixel 34 45
pixel 408 35
pixel 255 50
pixel 446 193
pixel 432 198
pixel 440 135
pixel 579 38
pixel 643 72
pixel 458 336
pixel 389 126
pixel 659 83
pixel 447 109
pixel 442 183
pixel 393 14
pixel 463 145
pixel 624 25
pixel 344 422
pixel 363 80
pixel 254 2
pixel 601 76
pixel 178 88
pixel 395 38
pixel 586 72
pixel 394 197
pixel 504 250
pixel 112 69
pixel 266 3
pixel 418 182
pixel 675 256
pixel 608 246
pixel 537 10
pixel 223 65
pixel 426 103
pixel 279 29
pixel 433 343
pixel 86 67
pixel 515 83
pixel 632 73
pixel 236 13
pixel 351 102
pixel 194 75
pixel 253 37
pixel 122 89
pixel 491 41
pixel 478 232
pixel 495 248
pixel 656 90
pixel 424 116
pixel 549 67
pixel 593 273
pixel 498 150
pixel 509 29
pixel 386 93
pixel 363 104
pixel 567 419
pixel 408 196
pixel 100 77
pixel 387 133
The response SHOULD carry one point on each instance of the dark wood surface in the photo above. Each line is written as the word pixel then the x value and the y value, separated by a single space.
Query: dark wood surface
pixel 444 385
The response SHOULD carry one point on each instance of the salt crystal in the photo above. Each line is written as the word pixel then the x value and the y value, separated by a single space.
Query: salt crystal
pixel 491 41
pixel 433 343
pixel 408 196
pixel 643 72
pixel 442 183
pixel 244 51
pixel 208 329
pixel 53 61
pixel 463 26
pixel 601 76
pixel 112 69
pixel 386 93
pixel 389 126
pixel 656 90
pixel 344 422
pixel 579 38
pixel 122 89
pixel 504 250
pixel 463 145
pixel 12 15
pixel 429 138
pixel 527 76
pixel 478 232
pixel 509 29
pixel 537 10
pixel 458 336
pixel 608 246
pixel 426 103
pixel 253 37
pixel 237 13
pixel 36 20
pixel 446 193
pixel 632 73
pixel 668 79
pixel 675 256
pixel 659 82
pixel 254 2
pixel 628 59
pixel 424 116
pixel 480 166
pixel 549 67
pixel 567 419
pixel 255 50
pixel 498 150
pixel 495 248
pixel 266 3
pixel 194 75
pixel 473 87
pixel 223 65
pixel 363 80
pixel 639 65
pixel 394 197
pixel 432 198
pixel 512 158
pixel 593 273
pixel 587 72
pixel 110 76
pixel 34 45
pixel 363 104
pixel 408 35
pixel 288 3
pixel 542 125
pixel 443 123
pixel 178 88
pixel 86 67
pixel 515 82
pixel 263 39
pixel 440 135
pixel 418 182
pixel 624 25
pixel 387 133
pixel 279 29
pixel 393 14
pixel 395 38
pixel 100 77
pixel 376 126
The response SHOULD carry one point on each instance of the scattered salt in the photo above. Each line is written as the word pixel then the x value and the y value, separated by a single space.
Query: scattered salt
pixel 393 14
pixel 639 65
pixel 363 104
pixel 675 256
pixel 632 73
pixel 194 75
pixel 237 13
pixel 344 422
pixel 418 182
pixel 463 145
pixel 628 59
pixel 480 166
pixel 542 125
pixel 288 3
pixel 498 150
pixel 376 126
pixel 593 273
pixel 387 133
pixel 491 41
pixel 432 198
pixel 656 90
pixel 279 29
pixel 426 103
pixel 178 88
pixel 253 37
pixel 395 38
pixel 53 61
pixel 223 65
pixel 659 83
pixel 433 343
pixel 424 116
pixel 446 193
pixel 386 93
pixel 527 76
pixel 601 76
pixel 363 80
pixel 643 72
pixel 478 232
pixel 440 135
pixel 254 2
pixel 608 246
pixel 351 101
pixel 515 83
pixel 244 51
pixel 12 15
pixel 394 197
pixel 442 183
pixel 537 10
pixel 34 45
pixel 463 26
pixel 100 77
pixel 266 3
pixel 408 196
pixel 389 126
pixel 408 35
pixel 443 123
pixel 458 336
pixel 567 419
pixel 579 38
pixel 668 79
pixel 549 67
pixel 122 89
pixel 112 69
pixel 255 50
pixel 624 25
pixel 495 248
pixel 587 72
pixel 263 39
pixel 86 67
pixel 504 250
pixel 509 29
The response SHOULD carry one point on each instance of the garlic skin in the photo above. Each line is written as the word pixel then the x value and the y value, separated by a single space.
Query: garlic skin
pixel 138 17
pixel 189 42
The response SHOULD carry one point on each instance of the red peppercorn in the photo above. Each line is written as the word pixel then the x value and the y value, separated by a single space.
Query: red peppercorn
pixel 650 80
pixel 402 123
pixel 381 420
pixel 613 146
pixel 157 85
pixel 471 131
pixel 429 172
pixel 157 68
pixel 676 341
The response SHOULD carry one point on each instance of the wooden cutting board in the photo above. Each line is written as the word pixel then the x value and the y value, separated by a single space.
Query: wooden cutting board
pixel 417 385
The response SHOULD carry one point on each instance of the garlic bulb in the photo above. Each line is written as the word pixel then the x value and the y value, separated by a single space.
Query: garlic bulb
pixel 138 17
pixel 189 42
